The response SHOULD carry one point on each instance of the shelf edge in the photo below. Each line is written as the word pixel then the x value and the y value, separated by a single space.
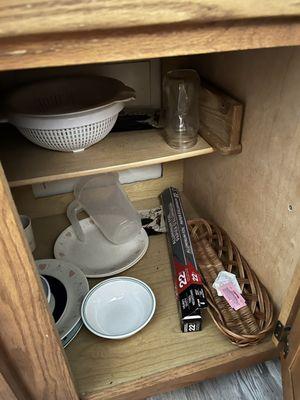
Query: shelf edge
pixel 113 168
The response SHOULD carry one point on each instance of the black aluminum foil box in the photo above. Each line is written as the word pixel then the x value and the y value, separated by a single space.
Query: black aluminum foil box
pixel 187 280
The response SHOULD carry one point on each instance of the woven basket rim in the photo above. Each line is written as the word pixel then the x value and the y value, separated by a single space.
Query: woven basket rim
pixel 215 251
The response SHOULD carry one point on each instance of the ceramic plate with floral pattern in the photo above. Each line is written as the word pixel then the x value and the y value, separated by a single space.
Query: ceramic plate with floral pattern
pixel 96 256
pixel 69 286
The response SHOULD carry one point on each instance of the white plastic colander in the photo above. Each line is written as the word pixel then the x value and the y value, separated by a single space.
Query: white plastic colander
pixel 68 114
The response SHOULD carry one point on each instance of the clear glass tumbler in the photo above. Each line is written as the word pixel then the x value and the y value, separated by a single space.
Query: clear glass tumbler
pixel 182 87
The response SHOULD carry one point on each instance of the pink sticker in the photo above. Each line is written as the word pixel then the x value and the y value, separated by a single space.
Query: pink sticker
pixel 234 299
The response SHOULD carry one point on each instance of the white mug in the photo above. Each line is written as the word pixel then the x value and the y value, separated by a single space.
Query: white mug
pixel 26 223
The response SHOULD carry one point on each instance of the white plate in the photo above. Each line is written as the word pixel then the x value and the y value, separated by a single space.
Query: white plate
pixel 46 288
pixel 51 303
pixel 118 307
pixel 70 336
pixel 76 286
pixel 96 256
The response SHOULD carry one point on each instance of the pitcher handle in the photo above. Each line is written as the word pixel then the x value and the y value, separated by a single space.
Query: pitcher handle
pixel 73 209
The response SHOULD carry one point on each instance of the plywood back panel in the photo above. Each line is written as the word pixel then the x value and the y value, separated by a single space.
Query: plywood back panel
pixel 255 195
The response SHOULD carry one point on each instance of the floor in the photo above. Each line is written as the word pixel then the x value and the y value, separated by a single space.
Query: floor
pixel 261 382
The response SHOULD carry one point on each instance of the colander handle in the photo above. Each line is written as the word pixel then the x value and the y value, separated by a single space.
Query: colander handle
pixel 73 209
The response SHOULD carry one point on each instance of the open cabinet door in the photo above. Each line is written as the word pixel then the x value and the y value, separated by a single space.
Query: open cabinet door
pixel 6 392
pixel 32 362
pixel 287 337
pixel 291 364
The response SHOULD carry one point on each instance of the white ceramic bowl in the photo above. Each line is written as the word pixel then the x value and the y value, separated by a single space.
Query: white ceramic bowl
pixel 118 307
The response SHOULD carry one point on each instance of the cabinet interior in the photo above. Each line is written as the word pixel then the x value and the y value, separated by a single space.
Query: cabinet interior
pixel 253 195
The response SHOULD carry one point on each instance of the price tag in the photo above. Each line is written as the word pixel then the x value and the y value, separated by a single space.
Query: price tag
pixel 234 299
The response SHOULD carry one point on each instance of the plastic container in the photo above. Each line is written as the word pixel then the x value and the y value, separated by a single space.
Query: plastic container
pixel 103 199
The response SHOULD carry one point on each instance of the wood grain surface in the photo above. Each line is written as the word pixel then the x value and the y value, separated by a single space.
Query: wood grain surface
pixel 255 195
pixel 140 42
pixel 19 18
pixel 32 361
pixel 291 304
pixel 158 358
pixel 6 392
pixel 118 151
pixel 290 365
pixel 220 118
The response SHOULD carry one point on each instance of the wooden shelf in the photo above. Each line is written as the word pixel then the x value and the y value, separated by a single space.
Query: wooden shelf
pixel 158 358
pixel 25 163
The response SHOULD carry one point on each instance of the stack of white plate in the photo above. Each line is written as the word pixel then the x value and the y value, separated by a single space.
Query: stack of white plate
pixel 68 287
pixel 96 256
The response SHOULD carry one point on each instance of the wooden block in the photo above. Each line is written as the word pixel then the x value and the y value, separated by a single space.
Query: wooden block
pixel 220 119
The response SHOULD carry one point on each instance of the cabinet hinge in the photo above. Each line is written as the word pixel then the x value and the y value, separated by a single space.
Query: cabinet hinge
pixel 281 333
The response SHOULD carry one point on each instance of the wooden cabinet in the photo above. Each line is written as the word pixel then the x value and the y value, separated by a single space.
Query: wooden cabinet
pixel 254 195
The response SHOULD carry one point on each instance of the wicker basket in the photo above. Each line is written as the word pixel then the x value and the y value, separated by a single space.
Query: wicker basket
pixel 215 252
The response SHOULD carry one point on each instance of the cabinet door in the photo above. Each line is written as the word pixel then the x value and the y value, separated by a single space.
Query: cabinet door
pixel 287 336
pixel 291 364
pixel 32 361
pixel 6 392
